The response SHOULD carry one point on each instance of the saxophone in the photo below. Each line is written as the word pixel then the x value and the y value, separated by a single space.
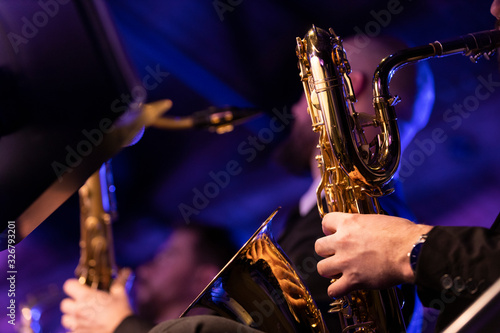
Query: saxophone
pixel 353 170
pixel 97 267
pixel 258 287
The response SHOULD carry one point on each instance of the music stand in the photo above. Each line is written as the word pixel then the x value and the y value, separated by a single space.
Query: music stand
pixel 69 101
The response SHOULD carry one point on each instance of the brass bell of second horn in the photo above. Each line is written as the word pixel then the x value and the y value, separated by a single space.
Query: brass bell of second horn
pixel 260 289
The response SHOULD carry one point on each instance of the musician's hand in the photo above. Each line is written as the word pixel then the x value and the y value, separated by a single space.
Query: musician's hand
pixel 495 9
pixel 366 251
pixel 96 311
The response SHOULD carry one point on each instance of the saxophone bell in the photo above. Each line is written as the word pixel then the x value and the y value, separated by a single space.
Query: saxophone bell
pixel 259 288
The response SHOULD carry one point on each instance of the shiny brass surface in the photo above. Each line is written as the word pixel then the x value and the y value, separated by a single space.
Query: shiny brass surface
pixel 97 267
pixel 259 288
pixel 353 169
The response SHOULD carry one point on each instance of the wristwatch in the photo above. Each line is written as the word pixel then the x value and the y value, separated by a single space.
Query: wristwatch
pixel 415 252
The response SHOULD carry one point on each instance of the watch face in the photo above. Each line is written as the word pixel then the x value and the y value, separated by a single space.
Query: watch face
pixel 414 255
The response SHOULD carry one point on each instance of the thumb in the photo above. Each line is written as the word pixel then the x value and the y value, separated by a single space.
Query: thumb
pixel 121 280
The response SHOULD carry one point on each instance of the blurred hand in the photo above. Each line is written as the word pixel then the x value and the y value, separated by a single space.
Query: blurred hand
pixel 495 9
pixel 92 310
pixel 366 251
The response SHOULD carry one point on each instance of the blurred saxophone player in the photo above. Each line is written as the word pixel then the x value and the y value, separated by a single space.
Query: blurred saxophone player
pixel 451 266
pixel 185 264
pixel 415 86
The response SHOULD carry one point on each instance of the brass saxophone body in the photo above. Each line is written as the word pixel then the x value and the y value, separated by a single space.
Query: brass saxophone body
pixel 259 287
pixel 353 169
pixel 352 174
pixel 97 267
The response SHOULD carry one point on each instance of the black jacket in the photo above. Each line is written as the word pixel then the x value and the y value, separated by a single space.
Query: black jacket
pixel 456 265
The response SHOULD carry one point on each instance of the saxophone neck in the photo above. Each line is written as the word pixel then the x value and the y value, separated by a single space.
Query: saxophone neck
pixel 97 266
pixel 473 45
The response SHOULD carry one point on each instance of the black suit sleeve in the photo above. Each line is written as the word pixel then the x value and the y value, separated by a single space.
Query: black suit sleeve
pixel 134 324
pixel 202 324
pixel 455 266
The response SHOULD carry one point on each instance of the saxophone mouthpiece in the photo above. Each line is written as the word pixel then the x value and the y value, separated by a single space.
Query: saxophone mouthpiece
pixel 215 119
pixel 223 119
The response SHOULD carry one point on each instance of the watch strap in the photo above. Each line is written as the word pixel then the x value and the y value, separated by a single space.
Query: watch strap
pixel 415 252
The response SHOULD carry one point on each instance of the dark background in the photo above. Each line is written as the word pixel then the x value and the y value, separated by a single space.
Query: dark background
pixel 244 56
